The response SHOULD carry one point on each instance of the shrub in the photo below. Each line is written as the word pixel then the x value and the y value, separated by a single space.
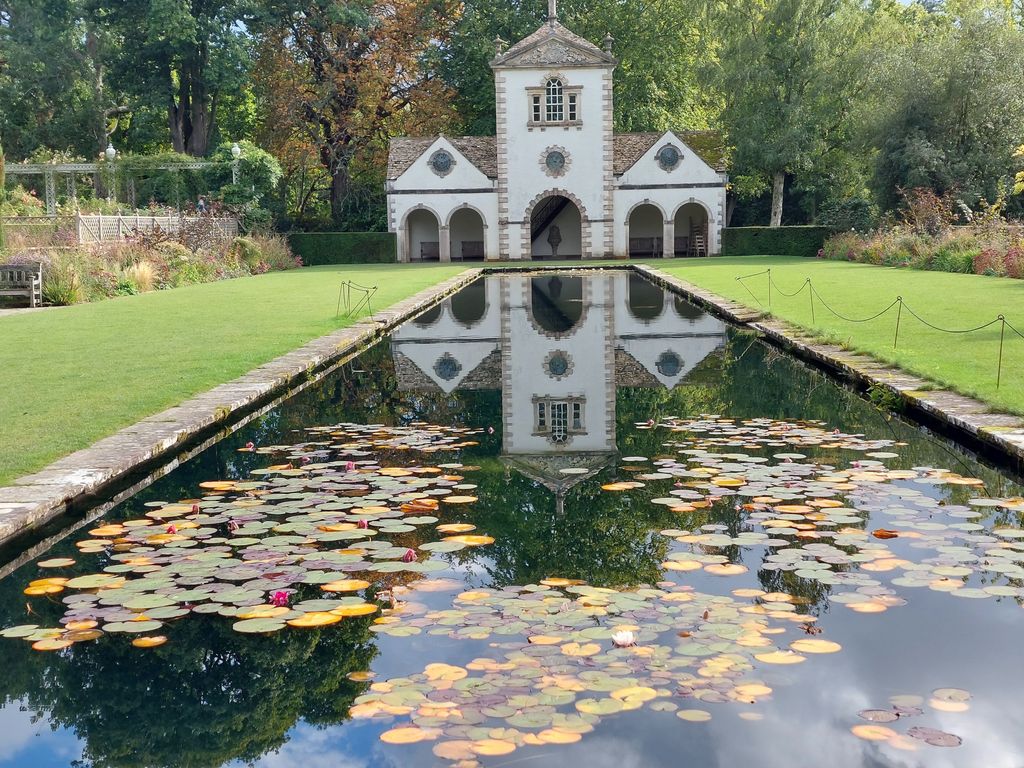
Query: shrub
pixel 275 253
pixel 925 212
pixel 62 284
pixel 244 251
pixel 773 241
pixel 142 276
pixel 343 247
pixel 858 214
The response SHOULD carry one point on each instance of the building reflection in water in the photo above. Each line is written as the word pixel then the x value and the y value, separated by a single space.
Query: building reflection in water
pixel 557 347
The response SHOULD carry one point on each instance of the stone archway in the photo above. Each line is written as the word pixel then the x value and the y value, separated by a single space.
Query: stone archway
pixel 645 230
pixel 422 232
pixel 563 210
pixel 467 232
pixel 691 221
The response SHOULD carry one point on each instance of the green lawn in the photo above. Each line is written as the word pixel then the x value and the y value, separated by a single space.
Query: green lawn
pixel 964 362
pixel 72 375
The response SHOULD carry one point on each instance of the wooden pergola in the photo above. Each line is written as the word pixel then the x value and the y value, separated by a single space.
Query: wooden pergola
pixel 50 172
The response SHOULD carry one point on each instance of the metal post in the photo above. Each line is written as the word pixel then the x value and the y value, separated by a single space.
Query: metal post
pixel 769 289
pixel 810 296
pixel 51 193
pixel 999 369
pixel 899 313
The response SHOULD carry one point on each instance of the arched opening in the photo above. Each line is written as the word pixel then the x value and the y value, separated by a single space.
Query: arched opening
pixel 556 229
pixel 429 317
pixel 688 311
pixel 556 302
pixel 423 234
pixel 470 304
pixel 691 227
pixel 646 301
pixel 466 230
pixel 646 231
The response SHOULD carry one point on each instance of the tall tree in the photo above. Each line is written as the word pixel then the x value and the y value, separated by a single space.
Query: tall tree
pixel 354 74
pixel 186 53
pixel 790 70
pixel 950 106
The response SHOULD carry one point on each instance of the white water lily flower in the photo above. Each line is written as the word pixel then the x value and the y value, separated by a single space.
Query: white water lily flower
pixel 623 639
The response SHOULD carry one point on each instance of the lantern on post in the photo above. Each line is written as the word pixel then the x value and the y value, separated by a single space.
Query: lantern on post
pixel 236 154
pixel 111 156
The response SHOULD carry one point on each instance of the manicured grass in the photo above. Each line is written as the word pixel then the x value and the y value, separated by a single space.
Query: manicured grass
pixel 72 375
pixel 963 362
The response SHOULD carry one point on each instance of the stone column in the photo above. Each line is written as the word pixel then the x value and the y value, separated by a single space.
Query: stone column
pixel 668 246
pixel 445 236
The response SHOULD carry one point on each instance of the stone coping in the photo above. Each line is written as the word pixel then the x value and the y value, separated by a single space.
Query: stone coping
pixel 93 472
pixel 969 420
pixel 96 471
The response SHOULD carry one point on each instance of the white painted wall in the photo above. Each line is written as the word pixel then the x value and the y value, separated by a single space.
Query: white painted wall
pixel 589 349
pixel 527 146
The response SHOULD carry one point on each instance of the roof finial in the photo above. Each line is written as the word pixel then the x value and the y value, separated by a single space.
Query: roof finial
pixel 552 12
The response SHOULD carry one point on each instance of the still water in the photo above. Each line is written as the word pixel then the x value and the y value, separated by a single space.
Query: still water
pixel 559 519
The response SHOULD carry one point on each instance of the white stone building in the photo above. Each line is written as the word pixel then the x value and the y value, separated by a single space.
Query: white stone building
pixel 555 180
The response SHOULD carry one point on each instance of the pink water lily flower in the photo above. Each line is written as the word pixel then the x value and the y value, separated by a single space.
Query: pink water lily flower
pixel 172 528
pixel 623 639
pixel 409 556
pixel 490 430
pixel 250 446
pixel 362 524
pixel 279 598
pixel 350 465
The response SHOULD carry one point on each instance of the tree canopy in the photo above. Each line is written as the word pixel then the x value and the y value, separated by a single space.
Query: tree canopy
pixel 830 106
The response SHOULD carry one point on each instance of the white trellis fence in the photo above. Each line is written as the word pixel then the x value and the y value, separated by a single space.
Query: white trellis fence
pixel 99 228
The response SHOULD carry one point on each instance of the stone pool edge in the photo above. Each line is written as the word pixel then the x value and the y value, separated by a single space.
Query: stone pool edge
pixel 969 419
pixel 36 499
pixel 33 500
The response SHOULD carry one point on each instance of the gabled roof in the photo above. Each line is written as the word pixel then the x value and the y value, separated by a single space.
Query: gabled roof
pixel 553 45
pixel 481 151
pixel 630 147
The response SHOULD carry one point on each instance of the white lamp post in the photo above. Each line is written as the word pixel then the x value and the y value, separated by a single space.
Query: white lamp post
pixel 236 153
pixel 111 154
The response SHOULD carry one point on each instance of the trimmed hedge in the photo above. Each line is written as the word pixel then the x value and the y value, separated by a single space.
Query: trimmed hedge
pixel 773 241
pixel 343 247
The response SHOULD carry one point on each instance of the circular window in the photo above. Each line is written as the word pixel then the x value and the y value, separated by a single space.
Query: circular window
pixel 558 365
pixel 447 367
pixel 669 364
pixel 442 162
pixel 669 157
pixel 555 161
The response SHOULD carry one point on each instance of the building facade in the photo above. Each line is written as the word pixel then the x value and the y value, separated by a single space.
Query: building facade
pixel 556 181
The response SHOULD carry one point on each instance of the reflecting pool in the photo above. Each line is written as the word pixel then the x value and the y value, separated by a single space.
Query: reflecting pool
pixel 559 517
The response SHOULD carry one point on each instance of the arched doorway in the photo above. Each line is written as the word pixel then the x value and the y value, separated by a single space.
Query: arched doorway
pixel 556 303
pixel 470 304
pixel 556 229
pixel 646 300
pixel 691 230
pixel 423 235
pixel 645 228
pixel 466 230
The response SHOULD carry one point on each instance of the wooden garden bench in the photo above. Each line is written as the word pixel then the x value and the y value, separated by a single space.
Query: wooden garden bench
pixel 22 280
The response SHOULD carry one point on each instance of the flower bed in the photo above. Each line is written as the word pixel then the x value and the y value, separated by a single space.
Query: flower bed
pixel 151 262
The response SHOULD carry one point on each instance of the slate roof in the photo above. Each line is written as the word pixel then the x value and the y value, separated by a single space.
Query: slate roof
pixel 630 147
pixel 552 31
pixel 481 151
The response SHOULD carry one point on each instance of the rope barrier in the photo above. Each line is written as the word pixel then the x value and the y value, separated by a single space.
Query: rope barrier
pixel 898 302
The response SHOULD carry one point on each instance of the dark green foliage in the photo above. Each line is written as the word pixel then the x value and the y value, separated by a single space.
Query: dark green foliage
pixel 773 241
pixel 343 247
